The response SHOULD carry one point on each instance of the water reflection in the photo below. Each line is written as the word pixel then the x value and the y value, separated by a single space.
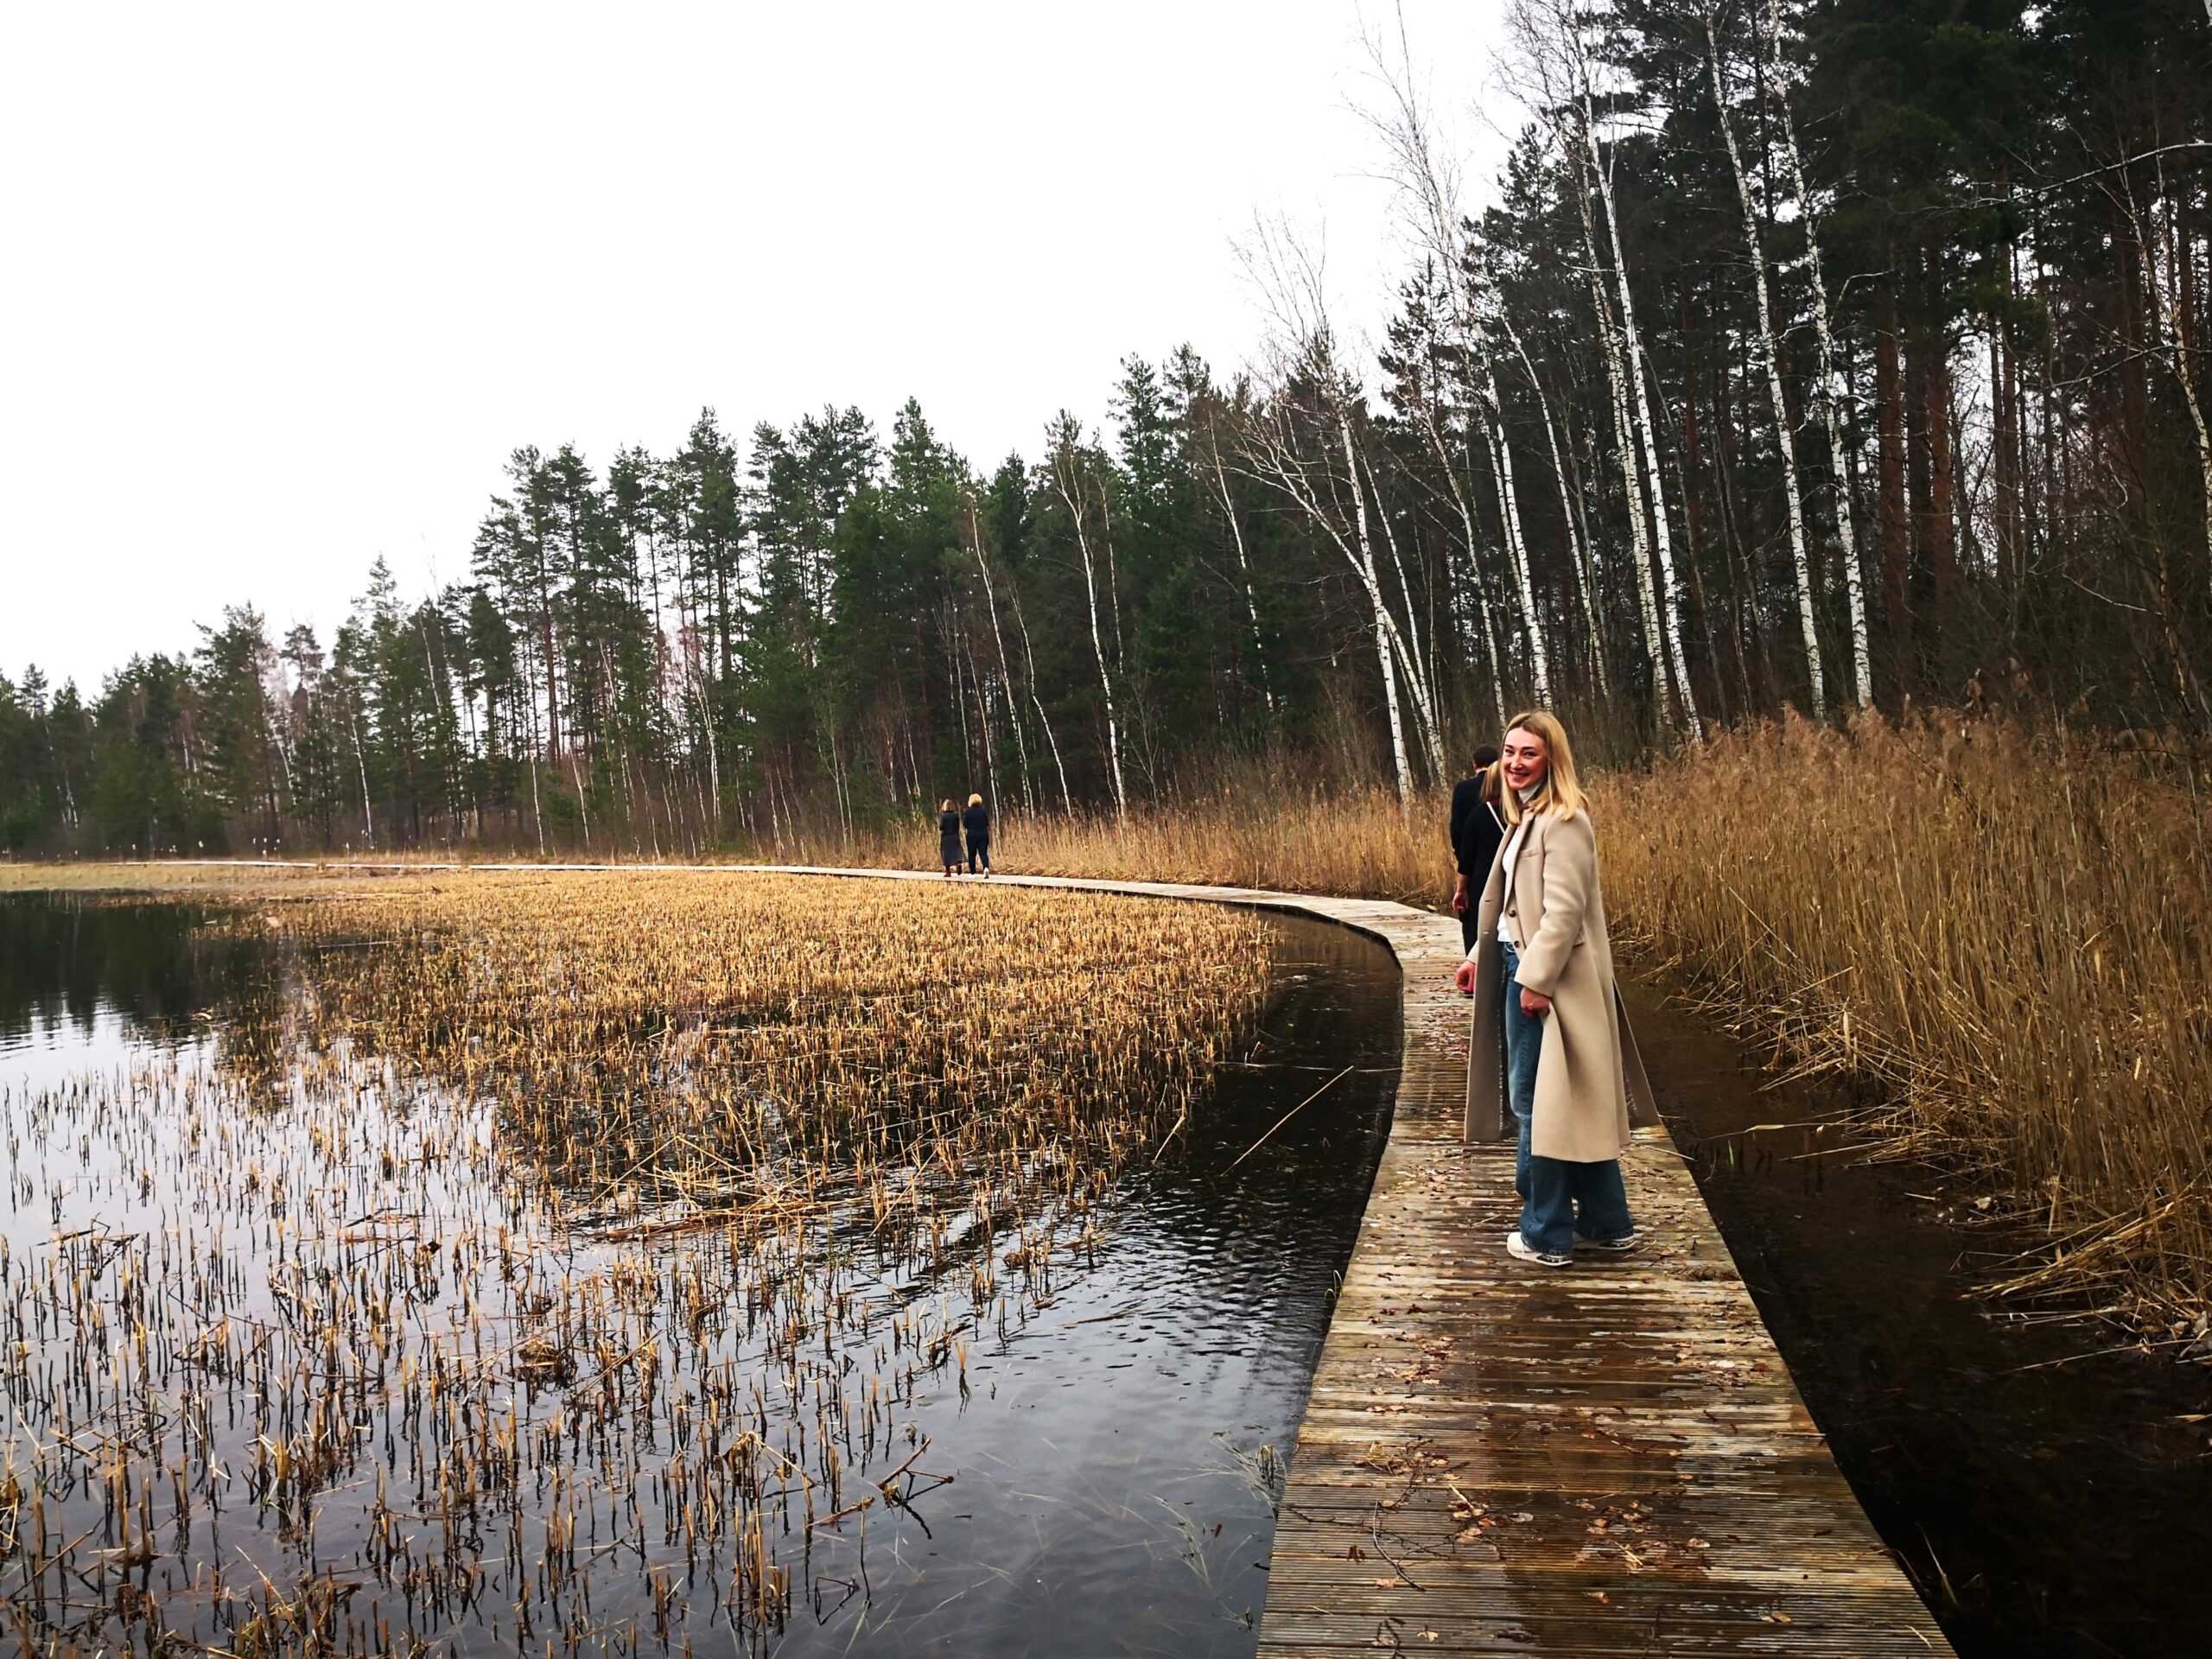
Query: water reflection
pixel 72 961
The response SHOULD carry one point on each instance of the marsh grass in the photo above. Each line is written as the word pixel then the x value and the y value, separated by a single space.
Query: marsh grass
pixel 563 1262
pixel 2007 934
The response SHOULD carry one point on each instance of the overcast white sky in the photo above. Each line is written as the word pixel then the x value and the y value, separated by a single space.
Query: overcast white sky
pixel 281 286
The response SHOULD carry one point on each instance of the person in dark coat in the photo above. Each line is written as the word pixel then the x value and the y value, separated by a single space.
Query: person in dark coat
pixel 977 821
pixel 1477 829
pixel 948 838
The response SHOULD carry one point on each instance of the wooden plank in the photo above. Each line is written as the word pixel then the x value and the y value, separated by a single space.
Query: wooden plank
pixel 1610 1459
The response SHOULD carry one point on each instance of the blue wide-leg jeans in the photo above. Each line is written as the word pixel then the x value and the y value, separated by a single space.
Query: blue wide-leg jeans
pixel 1559 1200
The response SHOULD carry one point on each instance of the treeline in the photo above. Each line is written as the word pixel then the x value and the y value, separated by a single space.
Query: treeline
pixel 1804 355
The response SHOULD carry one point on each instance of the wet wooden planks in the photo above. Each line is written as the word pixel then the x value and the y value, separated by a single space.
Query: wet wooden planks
pixel 1496 1458
pixel 1607 1459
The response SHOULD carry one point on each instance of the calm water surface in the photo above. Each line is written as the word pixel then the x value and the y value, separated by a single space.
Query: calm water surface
pixel 1113 1461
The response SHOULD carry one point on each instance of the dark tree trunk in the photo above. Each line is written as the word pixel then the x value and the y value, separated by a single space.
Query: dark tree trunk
pixel 1897 551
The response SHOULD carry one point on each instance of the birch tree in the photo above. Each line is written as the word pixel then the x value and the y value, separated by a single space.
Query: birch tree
pixel 1770 357
pixel 1069 464
pixel 1429 183
pixel 1647 431
pixel 1280 457
pixel 1832 391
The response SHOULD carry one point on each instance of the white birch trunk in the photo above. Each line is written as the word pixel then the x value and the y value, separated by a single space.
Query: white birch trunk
pixel 1051 742
pixel 1801 558
pixel 1244 571
pixel 1434 187
pixel 1662 534
pixel 1500 454
pixel 361 765
pixel 1570 516
pixel 1283 470
pixel 2175 348
pixel 1420 668
pixel 1623 438
pixel 1832 387
pixel 1071 490
pixel 1474 564
pixel 1006 671
pixel 1416 680
pixel 1384 632
pixel 1398 756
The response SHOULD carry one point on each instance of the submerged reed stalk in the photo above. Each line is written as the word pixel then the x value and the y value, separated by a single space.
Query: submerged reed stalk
pixel 558 1262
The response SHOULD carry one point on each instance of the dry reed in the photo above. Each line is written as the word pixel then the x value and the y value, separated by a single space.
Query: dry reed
pixel 537 1239
pixel 1282 836
pixel 2004 936
pixel 2010 934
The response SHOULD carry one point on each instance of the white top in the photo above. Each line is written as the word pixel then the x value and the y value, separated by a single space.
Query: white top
pixel 1512 857
pixel 1505 891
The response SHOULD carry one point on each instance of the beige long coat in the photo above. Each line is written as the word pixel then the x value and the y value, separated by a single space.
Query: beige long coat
pixel 1590 1082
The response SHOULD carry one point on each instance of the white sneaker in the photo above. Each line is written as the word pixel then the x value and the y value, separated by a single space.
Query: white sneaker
pixel 1517 1247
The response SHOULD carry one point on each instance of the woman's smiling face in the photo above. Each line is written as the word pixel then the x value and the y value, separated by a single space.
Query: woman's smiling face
pixel 1526 759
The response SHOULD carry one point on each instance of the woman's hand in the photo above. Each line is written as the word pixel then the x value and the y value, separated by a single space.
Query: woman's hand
pixel 1459 896
pixel 1464 979
pixel 1535 1004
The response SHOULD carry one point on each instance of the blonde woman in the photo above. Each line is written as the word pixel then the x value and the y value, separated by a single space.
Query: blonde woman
pixel 1541 975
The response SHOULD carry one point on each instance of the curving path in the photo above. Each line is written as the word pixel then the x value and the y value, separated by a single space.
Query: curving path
pixel 1500 1460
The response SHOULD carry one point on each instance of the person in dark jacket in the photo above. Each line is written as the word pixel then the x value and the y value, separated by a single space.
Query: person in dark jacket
pixel 977 821
pixel 948 838
pixel 1478 828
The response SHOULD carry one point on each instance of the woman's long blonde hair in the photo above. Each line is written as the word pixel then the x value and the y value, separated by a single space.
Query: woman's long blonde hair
pixel 1561 790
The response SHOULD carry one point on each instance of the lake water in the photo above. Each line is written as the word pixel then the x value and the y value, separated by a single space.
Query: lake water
pixel 1099 1478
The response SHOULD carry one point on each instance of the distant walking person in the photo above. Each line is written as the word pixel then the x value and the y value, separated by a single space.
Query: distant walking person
pixel 1477 827
pixel 1541 973
pixel 977 821
pixel 948 838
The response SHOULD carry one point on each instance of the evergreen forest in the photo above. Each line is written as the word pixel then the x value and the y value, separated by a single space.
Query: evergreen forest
pixel 1811 355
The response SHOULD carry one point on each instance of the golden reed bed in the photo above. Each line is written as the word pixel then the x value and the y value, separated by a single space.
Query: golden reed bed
pixel 2007 933
pixel 517 1239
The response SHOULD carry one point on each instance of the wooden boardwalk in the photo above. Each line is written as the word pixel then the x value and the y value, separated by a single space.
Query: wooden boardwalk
pixel 1499 1458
